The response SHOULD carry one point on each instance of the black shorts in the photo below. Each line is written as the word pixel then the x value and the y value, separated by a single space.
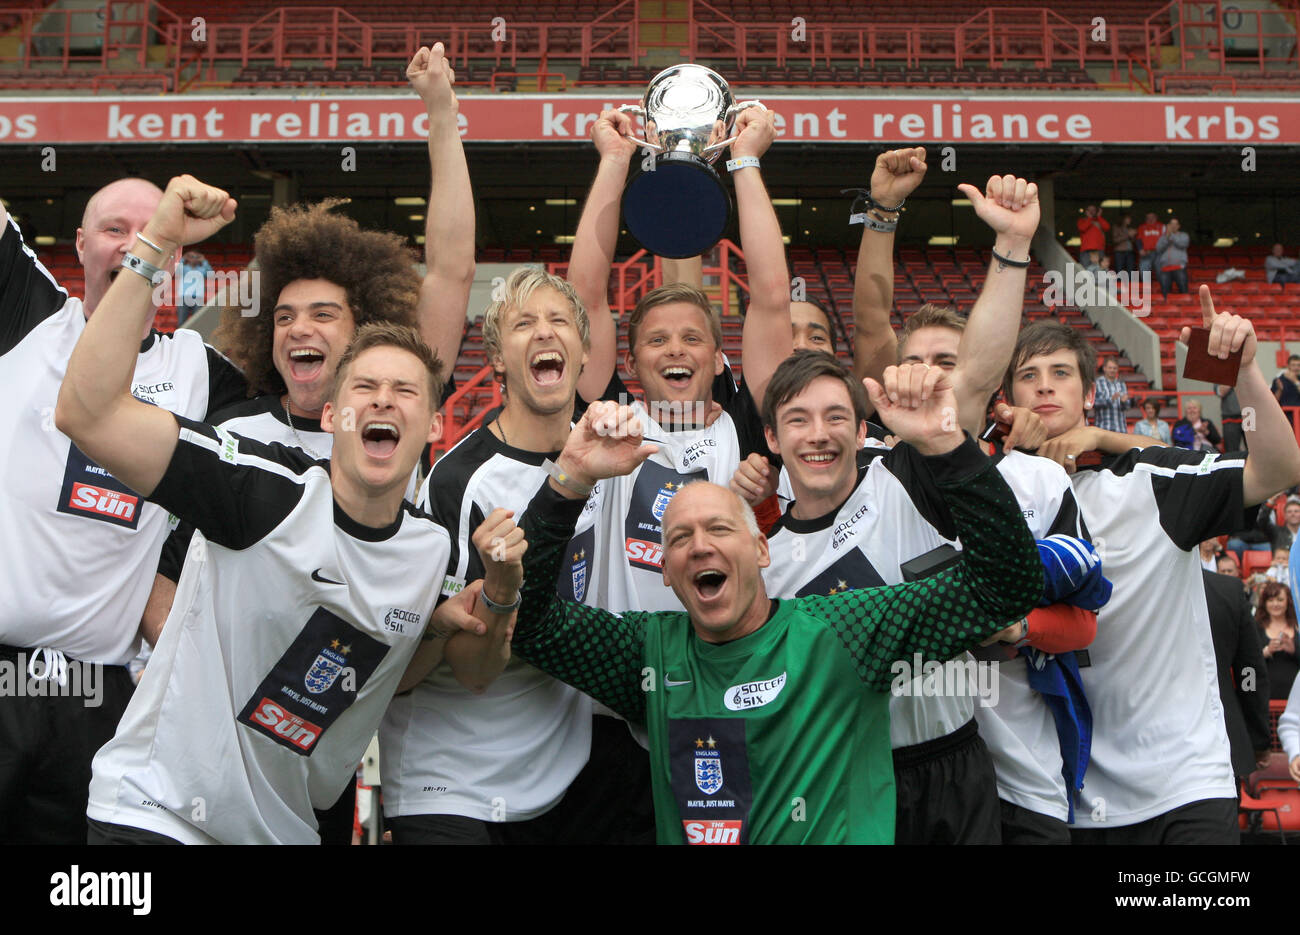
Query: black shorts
pixel 1022 826
pixel 46 745
pixel 1209 821
pixel 103 832
pixel 609 802
pixel 947 792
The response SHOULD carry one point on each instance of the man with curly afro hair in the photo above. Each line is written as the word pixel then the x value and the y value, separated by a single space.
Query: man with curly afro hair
pixel 321 277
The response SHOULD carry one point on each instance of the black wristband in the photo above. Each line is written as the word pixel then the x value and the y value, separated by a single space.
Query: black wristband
pixel 1007 261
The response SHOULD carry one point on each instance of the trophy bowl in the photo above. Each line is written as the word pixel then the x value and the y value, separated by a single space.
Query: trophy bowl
pixel 675 205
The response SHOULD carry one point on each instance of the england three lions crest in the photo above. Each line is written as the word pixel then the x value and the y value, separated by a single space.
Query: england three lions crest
pixel 579 573
pixel 328 665
pixel 660 505
pixel 708 771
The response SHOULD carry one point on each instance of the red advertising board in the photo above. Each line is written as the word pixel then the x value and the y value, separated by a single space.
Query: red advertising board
pixel 343 119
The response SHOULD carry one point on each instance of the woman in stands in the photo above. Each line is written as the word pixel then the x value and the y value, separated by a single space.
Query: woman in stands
pixel 1195 432
pixel 1151 425
pixel 1275 616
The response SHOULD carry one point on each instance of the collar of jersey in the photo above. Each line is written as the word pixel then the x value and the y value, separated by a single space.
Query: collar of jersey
pixel 750 643
pixel 367 533
pixel 516 454
pixel 301 423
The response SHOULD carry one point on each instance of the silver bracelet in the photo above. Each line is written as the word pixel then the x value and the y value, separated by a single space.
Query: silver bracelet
pixel 496 608
pixel 149 243
pixel 146 269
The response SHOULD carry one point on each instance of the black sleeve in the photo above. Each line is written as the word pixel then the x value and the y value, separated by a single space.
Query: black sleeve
pixel 743 409
pixel 172 560
pixel 28 293
pixel 909 466
pixel 1250 657
pixel 595 651
pixel 1198 494
pixel 999 578
pixel 235 490
pixel 226 385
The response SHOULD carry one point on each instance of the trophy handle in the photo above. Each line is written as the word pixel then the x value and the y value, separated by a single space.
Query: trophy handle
pixel 732 111
pixel 638 111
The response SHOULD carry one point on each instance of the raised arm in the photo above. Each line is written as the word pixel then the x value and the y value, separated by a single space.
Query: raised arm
pixel 593 650
pixel 1009 206
pixel 896 175
pixel 594 245
pixel 449 216
pixel 1000 576
pixel 1273 461
pixel 131 439
pixel 766 339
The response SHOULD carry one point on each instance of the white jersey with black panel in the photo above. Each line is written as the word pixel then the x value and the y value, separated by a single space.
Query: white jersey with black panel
pixel 287 638
pixel 509 753
pixel 79 545
pixel 1159 740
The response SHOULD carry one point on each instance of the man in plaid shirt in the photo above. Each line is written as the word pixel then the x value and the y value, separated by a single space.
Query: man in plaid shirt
pixel 1111 399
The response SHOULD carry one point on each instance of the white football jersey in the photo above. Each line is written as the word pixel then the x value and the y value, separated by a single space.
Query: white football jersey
pixel 287 638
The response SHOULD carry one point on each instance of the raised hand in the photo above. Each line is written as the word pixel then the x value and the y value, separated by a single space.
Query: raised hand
pixel 501 546
pixel 606 442
pixel 1228 333
pixel 1008 205
pixel 754 481
pixel 456 614
pixel 1065 448
pixel 432 77
pixel 755 130
pixel 897 174
pixel 919 405
pixel 190 212
pixel 1027 429
pixel 613 135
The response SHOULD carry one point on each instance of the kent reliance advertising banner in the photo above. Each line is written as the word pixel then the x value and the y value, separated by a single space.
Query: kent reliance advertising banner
pixel 547 118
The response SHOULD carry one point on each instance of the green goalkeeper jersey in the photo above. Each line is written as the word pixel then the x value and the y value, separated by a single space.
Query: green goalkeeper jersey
pixel 781 736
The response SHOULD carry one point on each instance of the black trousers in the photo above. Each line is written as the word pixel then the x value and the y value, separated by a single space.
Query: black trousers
pixel 609 802
pixel 1209 821
pixel 46 745
pixel 102 832
pixel 947 792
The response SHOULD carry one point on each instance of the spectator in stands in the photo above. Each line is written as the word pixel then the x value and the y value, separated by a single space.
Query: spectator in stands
pixel 1230 412
pixel 1122 239
pixel 1171 257
pixel 1092 236
pixel 1151 425
pixel 1148 235
pixel 1111 400
pixel 1195 432
pixel 1280 268
pixel 1279 536
pixel 1275 617
pixel 1237 654
pixel 1286 386
pixel 1210 554
pixel 1279 570
pixel 194 277
pixel 1227 564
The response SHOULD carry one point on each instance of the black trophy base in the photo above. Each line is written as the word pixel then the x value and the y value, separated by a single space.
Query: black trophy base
pixel 677 209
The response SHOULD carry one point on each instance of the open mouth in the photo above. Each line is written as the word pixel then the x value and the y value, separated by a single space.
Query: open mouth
pixel 709 583
pixel 380 439
pixel 679 378
pixel 819 458
pixel 547 368
pixel 306 363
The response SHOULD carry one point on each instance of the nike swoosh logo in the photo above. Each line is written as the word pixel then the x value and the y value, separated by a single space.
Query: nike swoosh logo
pixel 669 683
pixel 317 576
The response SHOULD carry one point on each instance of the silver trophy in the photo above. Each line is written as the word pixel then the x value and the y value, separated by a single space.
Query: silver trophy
pixel 677 206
